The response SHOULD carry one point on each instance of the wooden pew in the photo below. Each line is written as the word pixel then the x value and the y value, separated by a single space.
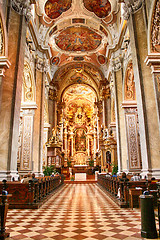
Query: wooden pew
pixel 31 195
pixel 112 185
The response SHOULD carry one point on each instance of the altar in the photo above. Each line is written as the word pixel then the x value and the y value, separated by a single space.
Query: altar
pixel 79 169
pixel 80 177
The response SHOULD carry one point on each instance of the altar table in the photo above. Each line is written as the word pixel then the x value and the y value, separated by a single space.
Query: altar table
pixel 80 176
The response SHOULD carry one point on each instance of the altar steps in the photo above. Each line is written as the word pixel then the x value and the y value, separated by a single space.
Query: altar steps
pixel 88 181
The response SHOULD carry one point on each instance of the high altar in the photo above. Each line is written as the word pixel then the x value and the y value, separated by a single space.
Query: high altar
pixel 78 140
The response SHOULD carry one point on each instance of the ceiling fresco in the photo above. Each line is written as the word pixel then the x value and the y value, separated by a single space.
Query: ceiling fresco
pixel 80 93
pixel 90 70
pixel 78 39
pixel 54 8
pixel 102 8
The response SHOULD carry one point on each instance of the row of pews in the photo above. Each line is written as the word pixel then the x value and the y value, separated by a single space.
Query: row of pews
pixel 31 195
pixel 120 190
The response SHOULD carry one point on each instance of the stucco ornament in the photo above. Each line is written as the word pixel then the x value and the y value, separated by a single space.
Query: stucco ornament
pixel 155 35
pixel 131 6
pixel 23 7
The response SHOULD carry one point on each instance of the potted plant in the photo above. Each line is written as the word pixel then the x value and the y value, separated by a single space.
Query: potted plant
pixel 114 169
pixel 48 170
pixel 72 178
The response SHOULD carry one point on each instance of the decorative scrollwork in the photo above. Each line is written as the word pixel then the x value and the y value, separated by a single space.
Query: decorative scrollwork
pixel 28 83
pixel 131 7
pixel 129 83
pixel 22 7
pixel 1 39
pixel 155 35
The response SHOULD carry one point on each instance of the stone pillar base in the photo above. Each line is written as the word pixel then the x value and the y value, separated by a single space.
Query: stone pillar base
pixel 9 175
pixel 151 173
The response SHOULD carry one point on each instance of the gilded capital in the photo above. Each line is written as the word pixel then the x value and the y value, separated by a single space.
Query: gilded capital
pixel 52 94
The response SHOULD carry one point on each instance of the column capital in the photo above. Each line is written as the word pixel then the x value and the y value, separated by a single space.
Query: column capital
pixel 106 93
pixel 116 64
pixel 4 64
pixel 153 60
pixel 130 7
pixel 22 7
pixel 52 94
pixel 40 66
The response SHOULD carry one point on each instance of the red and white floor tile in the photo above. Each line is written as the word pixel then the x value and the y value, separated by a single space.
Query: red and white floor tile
pixel 75 212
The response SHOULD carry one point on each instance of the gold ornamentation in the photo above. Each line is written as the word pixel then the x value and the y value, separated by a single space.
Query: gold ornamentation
pixel 28 84
pixel 54 140
pixel 155 34
pixel 132 135
pixel 27 143
pixel 1 38
pixel 158 82
pixel 129 84
pixel 52 94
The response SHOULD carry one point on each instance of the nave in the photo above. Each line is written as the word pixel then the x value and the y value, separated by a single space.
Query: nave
pixel 75 211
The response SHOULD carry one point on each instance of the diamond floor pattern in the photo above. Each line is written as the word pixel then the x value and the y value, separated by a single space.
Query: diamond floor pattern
pixel 75 212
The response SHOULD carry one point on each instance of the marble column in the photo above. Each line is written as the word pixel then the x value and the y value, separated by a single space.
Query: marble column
pixel 120 117
pixel 11 96
pixel 106 102
pixel 53 107
pixel 153 60
pixel 95 145
pixel 45 139
pixel 146 100
pixel 65 146
pixel 39 118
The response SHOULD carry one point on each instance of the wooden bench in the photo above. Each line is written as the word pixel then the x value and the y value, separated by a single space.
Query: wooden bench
pixel 31 195
pixel 113 185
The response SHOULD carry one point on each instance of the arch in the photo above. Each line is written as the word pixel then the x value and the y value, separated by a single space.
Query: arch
pixel 79 73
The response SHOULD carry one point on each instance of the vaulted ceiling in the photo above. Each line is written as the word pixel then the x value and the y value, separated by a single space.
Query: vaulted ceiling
pixel 78 33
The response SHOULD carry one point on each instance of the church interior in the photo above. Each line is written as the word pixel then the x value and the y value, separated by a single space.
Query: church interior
pixel 79 94
pixel 79 86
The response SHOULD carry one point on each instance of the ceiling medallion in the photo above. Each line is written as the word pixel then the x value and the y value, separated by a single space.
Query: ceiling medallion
pixel 54 8
pixel 102 8
pixel 78 39
pixel 55 60
pixel 101 59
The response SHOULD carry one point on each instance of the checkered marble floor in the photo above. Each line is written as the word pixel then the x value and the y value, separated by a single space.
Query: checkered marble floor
pixel 75 212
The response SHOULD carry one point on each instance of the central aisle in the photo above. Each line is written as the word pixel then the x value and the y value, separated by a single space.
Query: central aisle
pixel 75 211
